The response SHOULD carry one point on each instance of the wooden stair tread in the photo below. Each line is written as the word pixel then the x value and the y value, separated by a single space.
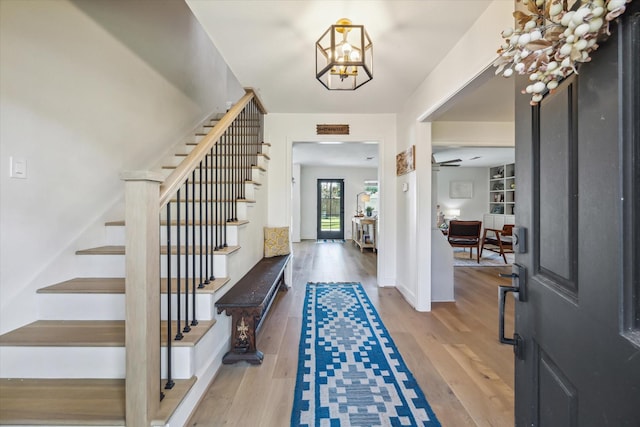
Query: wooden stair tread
pixel 76 401
pixel 115 285
pixel 163 222
pixel 89 333
pixel 119 250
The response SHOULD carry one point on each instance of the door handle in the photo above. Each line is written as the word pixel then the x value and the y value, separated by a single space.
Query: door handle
pixel 517 341
pixel 518 278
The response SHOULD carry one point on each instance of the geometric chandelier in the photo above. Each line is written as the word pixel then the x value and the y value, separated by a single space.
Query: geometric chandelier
pixel 344 56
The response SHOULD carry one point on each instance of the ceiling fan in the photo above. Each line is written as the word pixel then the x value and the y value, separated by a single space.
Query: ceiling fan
pixel 449 163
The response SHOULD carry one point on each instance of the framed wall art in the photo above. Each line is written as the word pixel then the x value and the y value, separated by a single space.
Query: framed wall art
pixel 406 161
pixel 461 189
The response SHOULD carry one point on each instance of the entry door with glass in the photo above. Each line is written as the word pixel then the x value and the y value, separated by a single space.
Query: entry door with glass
pixel 330 209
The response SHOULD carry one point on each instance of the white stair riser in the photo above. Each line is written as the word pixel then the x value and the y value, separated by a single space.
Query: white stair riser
pixel 62 362
pixel 116 235
pixel 109 362
pixel 85 362
pixel 114 265
pixel 112 306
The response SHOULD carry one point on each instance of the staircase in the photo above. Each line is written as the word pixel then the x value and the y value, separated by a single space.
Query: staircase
pixel 93 354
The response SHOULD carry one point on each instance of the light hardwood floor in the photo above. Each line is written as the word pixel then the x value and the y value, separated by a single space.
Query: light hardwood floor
pixel 453 351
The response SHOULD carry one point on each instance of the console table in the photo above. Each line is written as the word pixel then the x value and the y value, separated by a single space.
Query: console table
pixel 363 232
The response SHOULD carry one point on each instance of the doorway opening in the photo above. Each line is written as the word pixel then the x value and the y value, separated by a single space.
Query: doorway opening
pixel 330 209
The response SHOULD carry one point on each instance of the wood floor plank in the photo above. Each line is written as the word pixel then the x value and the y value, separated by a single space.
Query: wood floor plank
pixel 214 406
pixel 250 404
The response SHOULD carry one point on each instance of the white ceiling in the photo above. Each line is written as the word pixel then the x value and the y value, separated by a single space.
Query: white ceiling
pixel 269 46
pixel 475 157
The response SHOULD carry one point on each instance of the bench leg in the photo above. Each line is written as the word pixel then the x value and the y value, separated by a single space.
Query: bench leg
pixel 243 344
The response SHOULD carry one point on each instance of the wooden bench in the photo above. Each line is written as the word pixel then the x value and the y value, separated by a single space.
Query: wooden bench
pixel 248 303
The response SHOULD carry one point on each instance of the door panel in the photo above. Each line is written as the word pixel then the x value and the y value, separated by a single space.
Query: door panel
pixel 556 148
pixel 578 174
pixel 558 397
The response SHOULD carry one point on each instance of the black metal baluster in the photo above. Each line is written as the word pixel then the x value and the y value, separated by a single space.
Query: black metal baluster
pixel 201 249
pixel 216 188
pixel 170 383
pixel 221 184
pixel 193 250
pixel 235 191
pixel 179 335
pixel 225 196
pixel 187 328
pixel 213 220
pixel 206 222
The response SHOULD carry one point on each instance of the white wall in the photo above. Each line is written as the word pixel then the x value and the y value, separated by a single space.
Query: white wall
pixel 463 134
pixel 473 53
pixel 353 184
pixel 281 130
pixel 88 89
pixel 295 202
pixel 478 204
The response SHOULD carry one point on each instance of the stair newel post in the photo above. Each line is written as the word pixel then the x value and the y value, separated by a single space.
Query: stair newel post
pixel 142 295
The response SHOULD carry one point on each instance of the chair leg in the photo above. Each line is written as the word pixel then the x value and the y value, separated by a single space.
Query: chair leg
pixel 504 257
pixel 478 253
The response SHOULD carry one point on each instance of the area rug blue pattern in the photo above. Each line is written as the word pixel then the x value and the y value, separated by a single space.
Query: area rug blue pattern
pixel 349 370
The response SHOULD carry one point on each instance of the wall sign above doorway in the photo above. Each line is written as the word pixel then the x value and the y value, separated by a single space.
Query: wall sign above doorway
pixel 326 129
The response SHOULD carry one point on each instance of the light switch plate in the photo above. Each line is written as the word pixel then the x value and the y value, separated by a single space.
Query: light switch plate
pixel 18 168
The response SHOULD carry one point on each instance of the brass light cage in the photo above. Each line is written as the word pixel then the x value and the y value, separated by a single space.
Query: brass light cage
pixel 344 56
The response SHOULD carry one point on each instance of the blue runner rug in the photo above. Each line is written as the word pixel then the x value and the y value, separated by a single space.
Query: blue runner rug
pixel 349 370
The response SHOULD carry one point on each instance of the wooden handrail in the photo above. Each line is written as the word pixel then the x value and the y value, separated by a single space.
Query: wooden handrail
pixel 182 171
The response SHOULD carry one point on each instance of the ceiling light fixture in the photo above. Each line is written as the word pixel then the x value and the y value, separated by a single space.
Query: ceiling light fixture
pixel 344 56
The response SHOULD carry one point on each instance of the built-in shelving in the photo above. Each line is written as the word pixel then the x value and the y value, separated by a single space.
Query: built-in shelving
pixel 502 189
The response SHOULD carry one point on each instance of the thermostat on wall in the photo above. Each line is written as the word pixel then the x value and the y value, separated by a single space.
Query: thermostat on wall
pixel 405 186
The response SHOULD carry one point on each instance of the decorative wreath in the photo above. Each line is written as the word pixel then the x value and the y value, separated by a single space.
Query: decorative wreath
pixel 551 37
